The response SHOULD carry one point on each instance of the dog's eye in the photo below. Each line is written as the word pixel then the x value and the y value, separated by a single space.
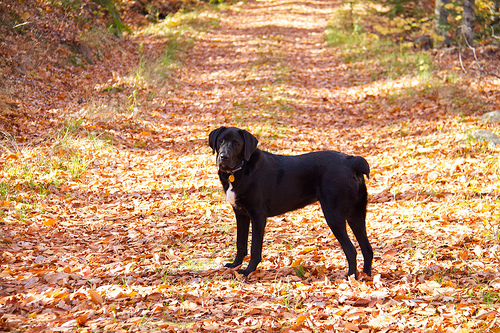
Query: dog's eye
pixel 236 144
pixel 221 140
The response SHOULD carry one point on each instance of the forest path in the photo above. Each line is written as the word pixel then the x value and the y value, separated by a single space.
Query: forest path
pixel 266 44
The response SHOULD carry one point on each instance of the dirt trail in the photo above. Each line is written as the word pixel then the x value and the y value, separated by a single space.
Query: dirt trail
pixel 267 43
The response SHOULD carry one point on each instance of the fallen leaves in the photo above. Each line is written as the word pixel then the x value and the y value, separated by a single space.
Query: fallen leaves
pixel 140 239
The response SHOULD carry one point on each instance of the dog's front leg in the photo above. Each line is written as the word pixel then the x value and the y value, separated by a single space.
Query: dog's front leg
pixel 242 225
pixel 258 226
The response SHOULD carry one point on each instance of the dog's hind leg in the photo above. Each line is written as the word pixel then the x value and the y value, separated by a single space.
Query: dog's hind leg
pixel 358 226
pixel 337 224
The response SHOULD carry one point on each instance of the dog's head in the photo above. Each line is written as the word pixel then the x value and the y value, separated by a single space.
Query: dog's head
pixel 233 145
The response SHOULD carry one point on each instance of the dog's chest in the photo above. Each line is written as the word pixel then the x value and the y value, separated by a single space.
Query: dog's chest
pixel 230 195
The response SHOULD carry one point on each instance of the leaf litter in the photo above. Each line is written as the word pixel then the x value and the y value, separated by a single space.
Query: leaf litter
pixel 138 240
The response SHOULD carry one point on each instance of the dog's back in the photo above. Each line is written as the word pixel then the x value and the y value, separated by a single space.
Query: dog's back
pixel 287 183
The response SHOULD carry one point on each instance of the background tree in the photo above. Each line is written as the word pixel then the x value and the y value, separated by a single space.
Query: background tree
pixel 468 21
pixel 116 23
pixel 496 18
pixel 441 21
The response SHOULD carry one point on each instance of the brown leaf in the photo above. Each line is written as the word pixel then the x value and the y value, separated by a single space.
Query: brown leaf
pixel 54 278
pixel 495 284
pixel 381 321
pixel 95 297
pixel 361 302
pixel 389 254
pixel 211 326
pixel 350 326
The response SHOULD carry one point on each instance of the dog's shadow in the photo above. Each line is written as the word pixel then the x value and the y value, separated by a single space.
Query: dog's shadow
pixel 305 273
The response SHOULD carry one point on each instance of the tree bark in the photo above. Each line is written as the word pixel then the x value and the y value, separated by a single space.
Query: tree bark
pixel 116 20
pixel 440 21
pixel 468 21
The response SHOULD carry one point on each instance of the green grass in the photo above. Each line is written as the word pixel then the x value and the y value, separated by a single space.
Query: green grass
pixel 174 37
pixel 490 298
pixel 274 100
pixel 384 58
pixel 177 32
pixel 5 190
pixel 32 171
pixel 177 46
pixel 199 265
pixel 41 169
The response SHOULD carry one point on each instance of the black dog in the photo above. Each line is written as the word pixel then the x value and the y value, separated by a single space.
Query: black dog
pixel 259 184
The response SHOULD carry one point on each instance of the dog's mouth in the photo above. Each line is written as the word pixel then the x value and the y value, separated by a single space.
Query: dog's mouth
pixel 224 166
pixel 227 166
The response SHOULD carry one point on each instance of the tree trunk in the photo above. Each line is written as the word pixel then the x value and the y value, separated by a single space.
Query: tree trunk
pixel 468 20
pixel 116 21
pixel 496 18
pixel 440 21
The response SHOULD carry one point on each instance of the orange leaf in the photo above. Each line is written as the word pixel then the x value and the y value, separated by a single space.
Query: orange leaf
pixel 50 222
pixel 81 320
pixel 60 294
pixel 464 255
pixel 163 286
pixel 296 262
pixel 307 250
pixel 158 308
pixel 13 156
pixel 301 319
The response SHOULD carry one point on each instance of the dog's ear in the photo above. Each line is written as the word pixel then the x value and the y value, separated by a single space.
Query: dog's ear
pixel 250 144
pixel 212 137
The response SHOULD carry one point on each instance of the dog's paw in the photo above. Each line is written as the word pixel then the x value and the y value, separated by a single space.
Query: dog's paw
pixel 245 272
pixel 232 265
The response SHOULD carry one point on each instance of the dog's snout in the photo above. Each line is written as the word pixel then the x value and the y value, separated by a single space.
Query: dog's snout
pixel 224 156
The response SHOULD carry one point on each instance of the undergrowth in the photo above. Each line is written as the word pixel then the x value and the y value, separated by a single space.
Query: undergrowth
pixel 177 32
pixel 381 57
pixel 31 171
pixel 364 39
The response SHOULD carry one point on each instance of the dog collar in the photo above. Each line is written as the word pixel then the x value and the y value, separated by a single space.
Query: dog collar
pixel 235 169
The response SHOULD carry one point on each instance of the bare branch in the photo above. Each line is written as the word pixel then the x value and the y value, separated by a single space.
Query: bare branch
pixel 480 68
pixel 493 33
pixel 461 63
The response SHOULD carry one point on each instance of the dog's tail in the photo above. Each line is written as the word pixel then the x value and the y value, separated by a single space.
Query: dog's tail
pixel 360 166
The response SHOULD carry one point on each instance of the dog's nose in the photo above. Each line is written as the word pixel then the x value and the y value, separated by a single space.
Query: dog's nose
pixel 224 156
